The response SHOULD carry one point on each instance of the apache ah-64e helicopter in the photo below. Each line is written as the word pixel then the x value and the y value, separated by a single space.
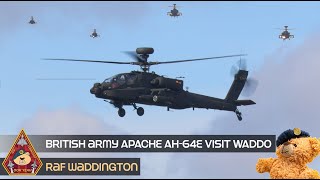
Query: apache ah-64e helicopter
pixel 32 21
pixel 149 88
pixel 286 34
pixel 94 34
pixel 174 12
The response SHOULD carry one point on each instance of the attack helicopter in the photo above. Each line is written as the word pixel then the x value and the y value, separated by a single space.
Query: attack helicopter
pixel 32 21
pixel 286 34
pixel 94 34
pixel 174 12
pixel 149 88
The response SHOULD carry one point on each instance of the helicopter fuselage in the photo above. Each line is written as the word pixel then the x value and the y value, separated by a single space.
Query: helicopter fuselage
pixel 94 35
pixel 286 35
pixel 174 13
pixel 152 89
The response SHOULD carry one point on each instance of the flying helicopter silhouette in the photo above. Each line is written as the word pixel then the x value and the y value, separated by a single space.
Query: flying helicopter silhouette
pixel 149 88
pixel 32 21
pixel 94 34
pixel 174 12
pixel 285 34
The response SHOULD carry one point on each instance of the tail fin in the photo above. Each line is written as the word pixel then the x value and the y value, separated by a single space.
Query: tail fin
pixel 236 88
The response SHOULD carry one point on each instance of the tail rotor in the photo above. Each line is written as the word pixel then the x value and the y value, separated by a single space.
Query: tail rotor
pixel 251 83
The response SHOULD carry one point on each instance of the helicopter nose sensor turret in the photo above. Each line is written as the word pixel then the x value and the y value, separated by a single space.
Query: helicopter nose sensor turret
pixel 96 89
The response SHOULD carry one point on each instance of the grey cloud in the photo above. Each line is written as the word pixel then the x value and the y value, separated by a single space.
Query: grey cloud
pixel 287 97
pixel 71 120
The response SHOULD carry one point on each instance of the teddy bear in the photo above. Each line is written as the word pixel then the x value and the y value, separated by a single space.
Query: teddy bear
pixel 22 158
pixel 295 149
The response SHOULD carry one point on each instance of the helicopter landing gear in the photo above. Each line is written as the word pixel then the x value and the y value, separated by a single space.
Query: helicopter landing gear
pixel 238 113
pixel 121 112
pixel 140 110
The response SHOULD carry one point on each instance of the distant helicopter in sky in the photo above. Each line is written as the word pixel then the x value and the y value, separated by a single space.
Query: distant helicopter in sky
pixel 174 12
pixel 286 34
pixel 94 34
pixel 32 21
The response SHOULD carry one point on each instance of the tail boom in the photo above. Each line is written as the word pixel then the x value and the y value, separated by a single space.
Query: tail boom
pixel 235 90
pixel 237 85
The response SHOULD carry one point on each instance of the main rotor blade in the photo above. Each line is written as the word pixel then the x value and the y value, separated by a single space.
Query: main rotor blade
pixel 134 56
pixel 95 61
pixel 285 28
pixel 201 59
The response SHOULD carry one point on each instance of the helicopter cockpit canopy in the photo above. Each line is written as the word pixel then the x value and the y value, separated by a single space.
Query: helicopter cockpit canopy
pixel 121 79
pixel 110 79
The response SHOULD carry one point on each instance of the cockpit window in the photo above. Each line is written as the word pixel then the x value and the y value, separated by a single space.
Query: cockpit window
pixel 131 79
pixel 121 79
pixel 111 79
